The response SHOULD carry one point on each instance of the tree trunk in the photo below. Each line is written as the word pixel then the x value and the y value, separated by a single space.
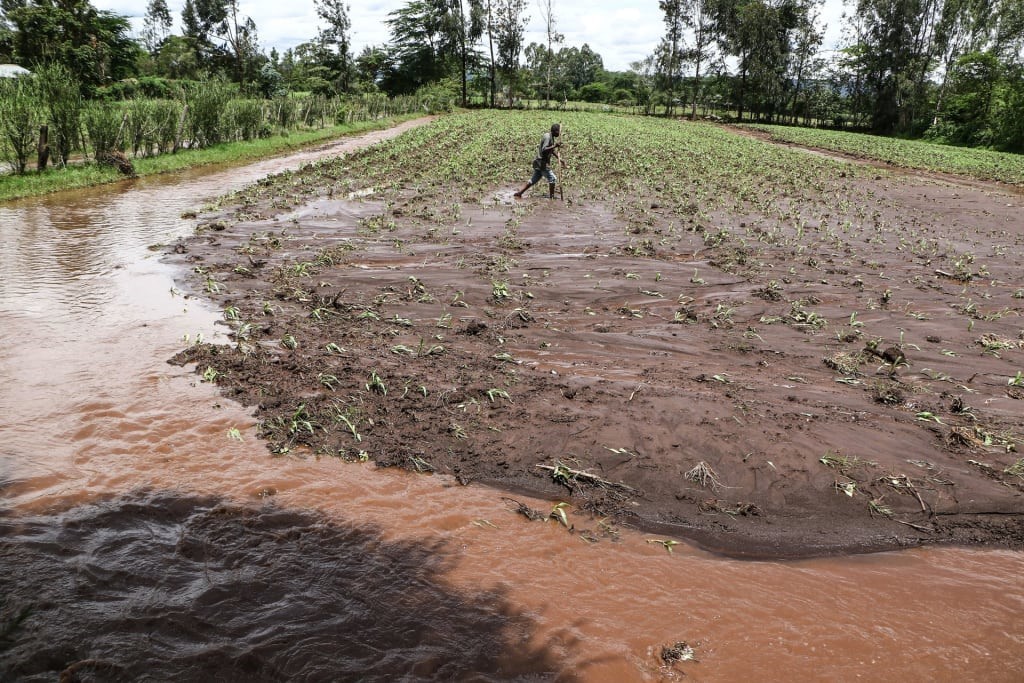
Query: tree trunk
pixel 490 44
pixel 743 94
pixel 462 50
pixel 696 85
pixel 43 148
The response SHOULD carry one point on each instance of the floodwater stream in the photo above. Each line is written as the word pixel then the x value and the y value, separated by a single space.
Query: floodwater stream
pixel 151 536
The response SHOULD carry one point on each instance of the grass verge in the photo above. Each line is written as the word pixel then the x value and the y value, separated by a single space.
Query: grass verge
pixel 982 164
pixel 89 174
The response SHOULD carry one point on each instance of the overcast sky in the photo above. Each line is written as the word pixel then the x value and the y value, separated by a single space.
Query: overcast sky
pixel 621 32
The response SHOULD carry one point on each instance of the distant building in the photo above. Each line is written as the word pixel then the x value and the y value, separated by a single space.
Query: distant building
pixel 13 71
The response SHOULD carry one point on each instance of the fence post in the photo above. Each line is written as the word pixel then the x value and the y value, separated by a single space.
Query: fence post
pixel 181 129
pixel 43 148
pixel 120 130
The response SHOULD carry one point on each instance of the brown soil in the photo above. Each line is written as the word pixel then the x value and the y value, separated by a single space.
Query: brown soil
pixel 729 417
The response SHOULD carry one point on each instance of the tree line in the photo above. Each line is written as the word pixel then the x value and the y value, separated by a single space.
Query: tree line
pixel 949 70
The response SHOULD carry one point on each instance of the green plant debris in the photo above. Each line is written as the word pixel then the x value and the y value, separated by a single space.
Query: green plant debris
pixel 376 384
pixel 558 513
pixel 847 487
pixel 668 544
pixel 844 463
pixel 877 507
pixel 1016 469
pixel 494 394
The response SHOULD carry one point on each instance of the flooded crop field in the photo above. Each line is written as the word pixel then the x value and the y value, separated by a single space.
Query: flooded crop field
pixel 725 410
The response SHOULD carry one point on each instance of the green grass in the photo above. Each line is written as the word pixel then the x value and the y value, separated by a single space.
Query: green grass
pixel 89 174
pixel 917 154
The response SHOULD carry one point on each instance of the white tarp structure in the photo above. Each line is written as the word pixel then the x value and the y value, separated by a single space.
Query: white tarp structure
pixel 12 71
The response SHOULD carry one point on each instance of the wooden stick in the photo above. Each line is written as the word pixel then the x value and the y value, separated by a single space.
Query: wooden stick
pixel 181 130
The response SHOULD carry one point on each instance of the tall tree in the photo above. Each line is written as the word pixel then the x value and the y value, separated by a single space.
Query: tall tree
pixel 94 45
pixel 434 39
pixel 470 15
pixel 6 37
pixel 646 72
pixel 178 59
pixel 897 50
pixel 198 21
pixel 424 45
pixel 702 53
pixel 580 65
pixel 335 33
pixel 371 66
pixel 156 25
pixel 510 29
pixel 757 34
pixel 677 19
pixel 239 34
pixel 224 39
pixel 309 66
pixel 1009 35
pixel 491 65
pixel 964 26
pixel 547 11
pixel 807 38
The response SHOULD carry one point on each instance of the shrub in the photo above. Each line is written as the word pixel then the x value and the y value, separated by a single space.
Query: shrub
pixel 139 119
pixel 284 109
pixel 314 109
pixel 437 97
pixel 121 90
pixel 20 117
pixel 270 83
pixel 103 126
pixel 244 118
pixel 62 95
pixel 162 132
pixel 595 92
pixel 155 87
pixel 207 102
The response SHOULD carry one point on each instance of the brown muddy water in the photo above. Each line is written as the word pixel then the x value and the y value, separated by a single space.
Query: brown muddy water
pixel 149 540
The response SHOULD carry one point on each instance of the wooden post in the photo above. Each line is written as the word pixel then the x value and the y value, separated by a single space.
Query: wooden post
pixel 181 129
pixel 120 130
pixel 43 148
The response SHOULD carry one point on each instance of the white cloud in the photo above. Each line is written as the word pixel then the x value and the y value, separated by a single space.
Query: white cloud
pixel 620 34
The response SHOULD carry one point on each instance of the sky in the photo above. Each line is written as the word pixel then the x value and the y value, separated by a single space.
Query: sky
pixel 621 32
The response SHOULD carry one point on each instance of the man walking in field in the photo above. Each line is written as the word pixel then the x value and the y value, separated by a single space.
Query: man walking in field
pixel 549 145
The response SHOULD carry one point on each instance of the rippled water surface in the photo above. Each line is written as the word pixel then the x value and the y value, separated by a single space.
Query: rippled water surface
pixel 150 545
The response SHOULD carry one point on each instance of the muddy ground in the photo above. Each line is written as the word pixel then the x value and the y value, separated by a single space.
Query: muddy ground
pixel 693 391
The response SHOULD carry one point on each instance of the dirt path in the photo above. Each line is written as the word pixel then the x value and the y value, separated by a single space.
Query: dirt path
pixel 559 365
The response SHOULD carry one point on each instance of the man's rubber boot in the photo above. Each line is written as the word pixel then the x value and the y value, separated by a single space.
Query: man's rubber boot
pixel 551 191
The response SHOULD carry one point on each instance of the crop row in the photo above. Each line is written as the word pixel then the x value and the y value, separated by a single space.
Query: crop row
pixel 976 163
